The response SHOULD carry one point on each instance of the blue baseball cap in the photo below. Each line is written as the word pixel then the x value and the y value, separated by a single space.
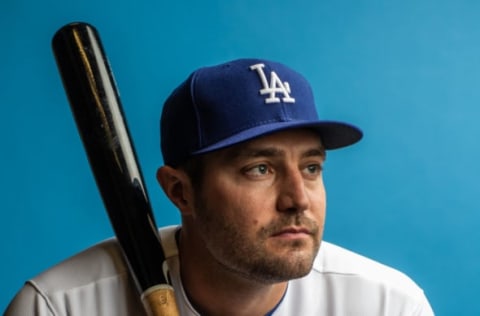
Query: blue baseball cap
pixel 226 104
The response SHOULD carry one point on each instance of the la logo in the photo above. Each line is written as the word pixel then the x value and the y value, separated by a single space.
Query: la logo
pixel 273 87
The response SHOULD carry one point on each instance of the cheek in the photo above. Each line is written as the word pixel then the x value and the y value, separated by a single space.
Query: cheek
pixel 318 203
pixel 238 204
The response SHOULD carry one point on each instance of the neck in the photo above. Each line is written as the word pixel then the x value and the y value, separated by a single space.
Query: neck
pixel 214 290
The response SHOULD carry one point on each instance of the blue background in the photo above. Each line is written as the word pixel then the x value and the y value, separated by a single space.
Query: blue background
pixel 407 72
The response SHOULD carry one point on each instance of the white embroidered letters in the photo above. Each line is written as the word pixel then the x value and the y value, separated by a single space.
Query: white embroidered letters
pixel 273 87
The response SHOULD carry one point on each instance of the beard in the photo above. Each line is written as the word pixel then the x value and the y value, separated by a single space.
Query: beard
pixel 257 256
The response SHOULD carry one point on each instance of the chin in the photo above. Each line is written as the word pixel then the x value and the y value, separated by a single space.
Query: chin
pixel 282 269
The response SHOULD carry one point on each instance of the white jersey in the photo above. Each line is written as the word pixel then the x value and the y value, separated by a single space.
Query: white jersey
pixel 96 282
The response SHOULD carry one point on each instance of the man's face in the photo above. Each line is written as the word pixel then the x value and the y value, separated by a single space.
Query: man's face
pixel 261 208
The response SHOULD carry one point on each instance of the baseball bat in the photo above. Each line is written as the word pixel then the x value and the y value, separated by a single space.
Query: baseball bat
pixel 95 103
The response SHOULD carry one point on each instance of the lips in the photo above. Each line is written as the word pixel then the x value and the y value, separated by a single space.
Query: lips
pixel 292 231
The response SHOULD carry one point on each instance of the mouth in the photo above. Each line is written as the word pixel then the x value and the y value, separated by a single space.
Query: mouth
pixel 292 232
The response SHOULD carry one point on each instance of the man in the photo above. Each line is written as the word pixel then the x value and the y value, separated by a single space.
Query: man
pixel 243 149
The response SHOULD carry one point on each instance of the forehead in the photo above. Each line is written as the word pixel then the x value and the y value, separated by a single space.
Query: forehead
pixel 301 141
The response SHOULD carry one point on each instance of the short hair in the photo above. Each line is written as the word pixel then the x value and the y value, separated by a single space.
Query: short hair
pixel 194 167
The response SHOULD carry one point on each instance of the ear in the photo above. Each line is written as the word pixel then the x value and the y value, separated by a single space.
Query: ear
pixel 177 186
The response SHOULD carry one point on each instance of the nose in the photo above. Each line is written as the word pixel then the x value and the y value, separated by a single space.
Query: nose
pixel 292 194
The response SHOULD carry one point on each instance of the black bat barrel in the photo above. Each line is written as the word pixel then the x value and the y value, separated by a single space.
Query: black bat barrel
pixel 96 107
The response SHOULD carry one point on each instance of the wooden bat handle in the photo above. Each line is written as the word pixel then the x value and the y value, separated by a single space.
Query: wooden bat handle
pixel 160 300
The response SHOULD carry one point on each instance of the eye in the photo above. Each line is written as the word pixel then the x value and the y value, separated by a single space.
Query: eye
pixel 313 169
pixel 258 170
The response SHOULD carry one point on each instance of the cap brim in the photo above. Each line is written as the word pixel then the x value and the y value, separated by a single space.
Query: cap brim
pixel 333 134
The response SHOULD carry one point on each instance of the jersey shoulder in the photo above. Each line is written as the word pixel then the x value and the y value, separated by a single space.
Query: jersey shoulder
pixel 343 282
pixel 337 261
pixel 76 285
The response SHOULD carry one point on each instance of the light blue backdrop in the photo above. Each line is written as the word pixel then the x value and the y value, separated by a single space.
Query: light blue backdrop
pixel 407 72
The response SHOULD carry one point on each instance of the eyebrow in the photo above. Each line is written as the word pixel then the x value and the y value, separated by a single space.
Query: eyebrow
pixel 255 152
